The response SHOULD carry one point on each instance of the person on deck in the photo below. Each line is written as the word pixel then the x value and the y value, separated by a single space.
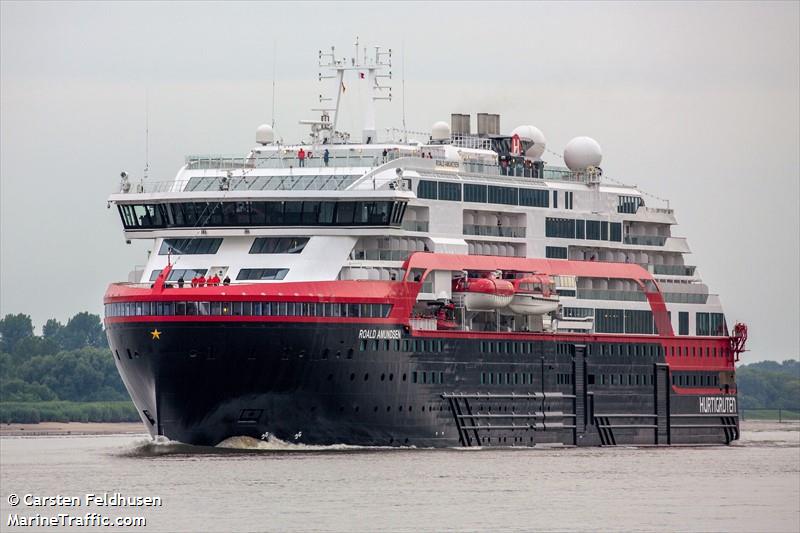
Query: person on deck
pixel 301 157
pixel 213 281
pixel 194 281
pixel 201 281
pixel 180 282
pixel 226 281
pixel 326 156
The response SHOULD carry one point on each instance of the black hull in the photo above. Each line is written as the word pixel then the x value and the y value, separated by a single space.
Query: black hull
pixel 318 383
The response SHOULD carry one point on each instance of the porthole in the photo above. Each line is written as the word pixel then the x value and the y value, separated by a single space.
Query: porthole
pixel 388 408
pixel 383 377
pixel 375 409
pixel 391 377
pixel 404 377
pixel 366 377
pixel 352 377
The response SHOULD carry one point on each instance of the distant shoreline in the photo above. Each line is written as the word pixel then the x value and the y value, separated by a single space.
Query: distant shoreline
pixel 71 428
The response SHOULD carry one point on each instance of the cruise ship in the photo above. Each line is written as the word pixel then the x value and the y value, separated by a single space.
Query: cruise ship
pixel 441 288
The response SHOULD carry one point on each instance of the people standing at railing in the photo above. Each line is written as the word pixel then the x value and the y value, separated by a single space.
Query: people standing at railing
pixel 201 281
pixel 194 281
pixel 326 156
pixel 301 157
pixel 180 282
pixel 213 281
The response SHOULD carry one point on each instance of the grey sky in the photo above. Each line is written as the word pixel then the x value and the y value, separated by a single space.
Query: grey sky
pixel 694 102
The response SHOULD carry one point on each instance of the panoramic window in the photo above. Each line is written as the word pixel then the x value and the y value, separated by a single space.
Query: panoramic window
pixel 278 245
pixel 262 274
pixel 189 246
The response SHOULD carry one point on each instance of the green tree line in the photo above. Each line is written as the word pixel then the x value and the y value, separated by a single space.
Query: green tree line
pixel 769 385
pixel 65 374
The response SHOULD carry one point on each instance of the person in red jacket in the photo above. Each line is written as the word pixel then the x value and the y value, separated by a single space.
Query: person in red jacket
pixel 301 157
pixel 201 281
pixel 213 281
pixel 194 281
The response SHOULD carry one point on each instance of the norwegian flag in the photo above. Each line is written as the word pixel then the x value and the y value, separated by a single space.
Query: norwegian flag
pixel 361 75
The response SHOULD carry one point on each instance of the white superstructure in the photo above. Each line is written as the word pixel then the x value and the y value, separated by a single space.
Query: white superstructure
pixel 330 208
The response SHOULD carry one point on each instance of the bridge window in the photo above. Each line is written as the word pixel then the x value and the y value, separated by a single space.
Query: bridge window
pixel 427 189
pixel 290 213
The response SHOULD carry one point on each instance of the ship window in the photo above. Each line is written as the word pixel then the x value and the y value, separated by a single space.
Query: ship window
pixel 555 252
pixel 533 198
pixel 616 232
pixel 426 189
pixel 593 230
pixel 262 273
pixel 475 193
pixel 555 199
pixel 560 227
pixel 502 195
pixel 449 191
pixel 580 229
pixel 278 245
pixel 189 246
pixel 180 308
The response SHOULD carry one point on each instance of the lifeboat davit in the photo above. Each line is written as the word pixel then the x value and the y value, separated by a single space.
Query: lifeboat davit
pixel 533 295
pixel 484 294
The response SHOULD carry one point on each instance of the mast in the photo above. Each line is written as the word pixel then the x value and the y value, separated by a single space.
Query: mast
pixel 372 70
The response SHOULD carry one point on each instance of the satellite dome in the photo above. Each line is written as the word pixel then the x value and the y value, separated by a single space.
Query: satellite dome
pixel 581 153
pixel 440 131
pixel 265 135
pixel 534 135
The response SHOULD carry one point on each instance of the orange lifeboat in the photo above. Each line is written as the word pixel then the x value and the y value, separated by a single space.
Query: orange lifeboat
pixel 534 294
pixel 483 294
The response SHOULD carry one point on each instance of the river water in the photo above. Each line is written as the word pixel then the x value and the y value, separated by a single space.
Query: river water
pixel 753 485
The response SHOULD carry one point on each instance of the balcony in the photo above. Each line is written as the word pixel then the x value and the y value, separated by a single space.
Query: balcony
pixel 380 255
pixel 605 294
pixel 494 231
pixel 673 270
pixel 416 225
pixel 645 240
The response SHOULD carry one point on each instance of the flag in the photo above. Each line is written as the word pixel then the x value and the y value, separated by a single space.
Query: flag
pixel 361 75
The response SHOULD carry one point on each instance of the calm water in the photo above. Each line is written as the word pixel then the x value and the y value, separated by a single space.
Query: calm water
pixel 751 486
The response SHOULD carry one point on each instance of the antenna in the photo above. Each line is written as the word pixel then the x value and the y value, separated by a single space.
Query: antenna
pixel 146 133
pixel 274 55
pixel 403 87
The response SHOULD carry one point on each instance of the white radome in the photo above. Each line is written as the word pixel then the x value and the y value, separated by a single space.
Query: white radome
pixel 534 135
pixel 581 153
pixel 440 131
pixel 265 135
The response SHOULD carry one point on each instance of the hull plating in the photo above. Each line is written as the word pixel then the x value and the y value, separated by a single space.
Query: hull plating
pixel 320 383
